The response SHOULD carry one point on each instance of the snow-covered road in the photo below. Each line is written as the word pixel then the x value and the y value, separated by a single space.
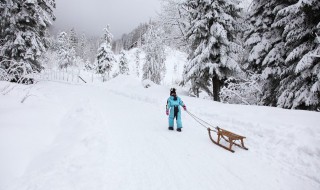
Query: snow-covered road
pixel 114 136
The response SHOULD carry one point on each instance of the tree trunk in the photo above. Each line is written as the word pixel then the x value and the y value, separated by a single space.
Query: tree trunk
pixel 216 86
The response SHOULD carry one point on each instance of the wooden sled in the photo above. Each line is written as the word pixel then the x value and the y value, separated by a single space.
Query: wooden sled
pixel 229 137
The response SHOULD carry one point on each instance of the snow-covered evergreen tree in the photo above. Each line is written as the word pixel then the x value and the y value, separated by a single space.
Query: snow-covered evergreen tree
pixel 154 67
pixel 23 29
pixel 266 47
pixel 300 78
pixel 73 39
pixel 123 63
pixel 89 66
pixel 105 56
pixel 4 22
pixel 66 54
pixel 82 50
pixel 212 34
pixel 137 57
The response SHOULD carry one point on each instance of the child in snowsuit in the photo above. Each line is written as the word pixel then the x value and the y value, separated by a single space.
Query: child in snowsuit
pixel 173 104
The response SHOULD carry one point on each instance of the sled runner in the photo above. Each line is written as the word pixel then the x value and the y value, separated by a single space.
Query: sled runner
pixel 229 137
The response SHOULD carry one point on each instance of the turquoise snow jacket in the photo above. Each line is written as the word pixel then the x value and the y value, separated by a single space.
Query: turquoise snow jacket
pixel 175 110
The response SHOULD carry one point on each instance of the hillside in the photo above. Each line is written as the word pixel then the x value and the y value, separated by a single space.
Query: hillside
pixel 115 136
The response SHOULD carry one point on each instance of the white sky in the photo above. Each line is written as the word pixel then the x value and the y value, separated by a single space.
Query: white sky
pixel 91 16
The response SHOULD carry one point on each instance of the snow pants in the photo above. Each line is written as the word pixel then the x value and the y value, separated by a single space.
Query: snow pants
pixel 175 113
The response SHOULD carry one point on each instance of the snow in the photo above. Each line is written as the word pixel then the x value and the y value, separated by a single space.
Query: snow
pixel 114 136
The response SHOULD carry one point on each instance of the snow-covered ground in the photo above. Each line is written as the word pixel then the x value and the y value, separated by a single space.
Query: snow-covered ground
pixel 114 136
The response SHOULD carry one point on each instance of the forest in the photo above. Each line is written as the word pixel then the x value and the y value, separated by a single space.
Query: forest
pixel 265 53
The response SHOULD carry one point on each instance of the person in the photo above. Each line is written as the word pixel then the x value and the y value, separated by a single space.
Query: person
pixel 173 109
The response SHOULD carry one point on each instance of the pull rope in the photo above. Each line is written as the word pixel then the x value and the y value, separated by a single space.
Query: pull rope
pixel 202 122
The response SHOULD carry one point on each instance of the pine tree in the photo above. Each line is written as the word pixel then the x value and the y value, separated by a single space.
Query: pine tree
pixel 300 78
pixel 82 47
pixel 23 31
pixel 154 67
pixel 73 39
pixel 4 22
pixel 138 62
pixel 212 35
pixel 266 47
pixel 89 66
pixel 105 57
pixel 123 64
pixel 66 53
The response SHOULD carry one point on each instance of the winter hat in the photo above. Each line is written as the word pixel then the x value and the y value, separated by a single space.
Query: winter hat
pixel 172 91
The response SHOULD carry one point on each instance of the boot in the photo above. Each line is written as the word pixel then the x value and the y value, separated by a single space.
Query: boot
pixel 171 128
pixel 179 130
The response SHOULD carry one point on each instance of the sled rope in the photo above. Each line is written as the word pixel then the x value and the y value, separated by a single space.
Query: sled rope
pixel 201 121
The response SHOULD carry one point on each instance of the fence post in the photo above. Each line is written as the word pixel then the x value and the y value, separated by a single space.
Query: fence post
pixel 72 75
pixel 78 76
pixel 92 77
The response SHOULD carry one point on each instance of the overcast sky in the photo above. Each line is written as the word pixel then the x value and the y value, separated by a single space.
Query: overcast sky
pixel 91 16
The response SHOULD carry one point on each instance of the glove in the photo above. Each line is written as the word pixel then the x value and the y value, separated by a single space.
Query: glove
pixel 167 112
pixel 185 108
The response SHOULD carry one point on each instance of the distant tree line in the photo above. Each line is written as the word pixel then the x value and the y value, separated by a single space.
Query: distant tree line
pixel 133 39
